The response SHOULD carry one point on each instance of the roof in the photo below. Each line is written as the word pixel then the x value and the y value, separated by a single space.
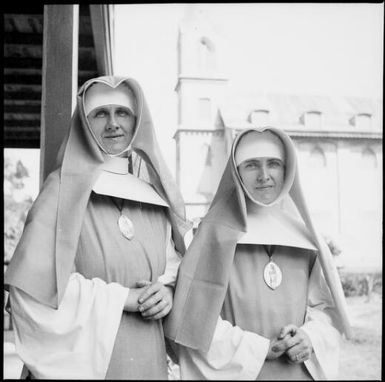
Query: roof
pixel 23 40
pixel 288 112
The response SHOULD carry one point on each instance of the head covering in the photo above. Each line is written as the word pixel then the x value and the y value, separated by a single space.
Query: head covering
pixel 271 224
pixel 44 256
pixel 100 94
pixel 256 144
pixel 205 269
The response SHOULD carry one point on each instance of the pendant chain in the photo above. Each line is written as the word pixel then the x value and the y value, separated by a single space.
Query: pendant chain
pixel 269 250
pixel 116 202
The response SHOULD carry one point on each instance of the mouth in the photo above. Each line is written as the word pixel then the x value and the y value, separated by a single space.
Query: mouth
pixel 263 187
pixel 113 136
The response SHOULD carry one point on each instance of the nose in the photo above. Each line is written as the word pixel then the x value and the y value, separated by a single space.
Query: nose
pixel 263 174
pixel 112 123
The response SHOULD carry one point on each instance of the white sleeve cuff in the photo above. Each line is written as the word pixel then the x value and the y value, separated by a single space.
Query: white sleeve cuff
pixel 74 341
pixel 234 354
pixel 325 339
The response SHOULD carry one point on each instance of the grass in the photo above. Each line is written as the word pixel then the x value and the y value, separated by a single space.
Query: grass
pixel 361 356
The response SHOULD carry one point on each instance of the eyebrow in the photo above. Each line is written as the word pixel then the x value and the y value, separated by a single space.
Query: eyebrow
pixel 100 108
pixel 106 109
pixel 260 160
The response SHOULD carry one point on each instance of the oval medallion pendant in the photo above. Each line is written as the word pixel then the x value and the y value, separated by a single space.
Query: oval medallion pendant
pixel 126 227
pixel 272 275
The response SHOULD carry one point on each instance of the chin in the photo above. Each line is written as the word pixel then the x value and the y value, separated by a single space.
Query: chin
pixel 114 151
pixel 265 199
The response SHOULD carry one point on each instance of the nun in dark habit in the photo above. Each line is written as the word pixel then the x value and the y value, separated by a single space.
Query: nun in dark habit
pixel 93 274
pixel 258 295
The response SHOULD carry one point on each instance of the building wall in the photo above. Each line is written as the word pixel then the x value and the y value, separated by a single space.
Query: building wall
pixel 341 177
pixel 361 194
pixel 190 92
pixel 345 197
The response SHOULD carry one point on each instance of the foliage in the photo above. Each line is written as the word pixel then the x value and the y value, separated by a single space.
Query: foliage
pixel 333 246
pixel 361 284
pixel 16 207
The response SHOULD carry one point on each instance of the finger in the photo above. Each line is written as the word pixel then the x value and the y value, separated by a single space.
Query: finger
pixel 151 301
pixel 293 341
pixel 149 314
pixel 150 291
pixel 160 314
pixel 142 283
pixel 155 309
pixel 299 357
pixel 285 344
pixel 279 346
pixel 288 329
pixel 303 356
pixel 293 351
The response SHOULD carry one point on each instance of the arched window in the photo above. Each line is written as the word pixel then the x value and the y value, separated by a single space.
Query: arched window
pixel 206 55
pixel 259 117
pixel 369 159
pixel 317 158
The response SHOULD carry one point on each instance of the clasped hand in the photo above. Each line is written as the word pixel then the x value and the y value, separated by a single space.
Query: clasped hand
pixel 152 300
pixel 292 341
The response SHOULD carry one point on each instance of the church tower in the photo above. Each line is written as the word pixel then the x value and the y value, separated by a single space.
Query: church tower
pixel 200 88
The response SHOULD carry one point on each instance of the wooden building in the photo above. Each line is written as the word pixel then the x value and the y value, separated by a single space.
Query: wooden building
pixel 50 50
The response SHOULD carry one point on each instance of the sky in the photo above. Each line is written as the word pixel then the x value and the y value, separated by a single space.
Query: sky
pixel 317 49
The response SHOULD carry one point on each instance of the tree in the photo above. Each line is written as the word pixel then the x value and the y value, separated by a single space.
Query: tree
pixel 16 204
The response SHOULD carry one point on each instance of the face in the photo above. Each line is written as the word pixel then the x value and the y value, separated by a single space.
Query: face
pixel 113 126
pixel 263 177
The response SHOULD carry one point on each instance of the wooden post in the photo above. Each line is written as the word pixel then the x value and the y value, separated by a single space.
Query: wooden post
pixel 59 79
pixel 103 32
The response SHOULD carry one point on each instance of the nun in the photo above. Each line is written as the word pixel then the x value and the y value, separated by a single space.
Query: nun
pixel 92 276
pixel 258 295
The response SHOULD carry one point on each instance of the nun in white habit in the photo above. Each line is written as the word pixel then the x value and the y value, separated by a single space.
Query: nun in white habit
pixel 251 300
pixel 92 275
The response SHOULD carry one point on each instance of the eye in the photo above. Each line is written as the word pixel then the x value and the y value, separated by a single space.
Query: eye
pixel 123 113
pixel 100 114
pixel 250 165
pixel 275 164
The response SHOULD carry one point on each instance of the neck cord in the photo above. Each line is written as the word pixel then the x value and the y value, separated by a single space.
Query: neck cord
pixel 269 249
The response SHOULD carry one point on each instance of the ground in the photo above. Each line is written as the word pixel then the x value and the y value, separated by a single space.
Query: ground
pixel 360 357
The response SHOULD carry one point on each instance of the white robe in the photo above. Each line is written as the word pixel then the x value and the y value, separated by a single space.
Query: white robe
pixel 237 354
pixel 76 340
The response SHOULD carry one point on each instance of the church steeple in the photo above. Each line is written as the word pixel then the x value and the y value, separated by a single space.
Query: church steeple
pixel 200 89
pixel 200 74
pixel 198 45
